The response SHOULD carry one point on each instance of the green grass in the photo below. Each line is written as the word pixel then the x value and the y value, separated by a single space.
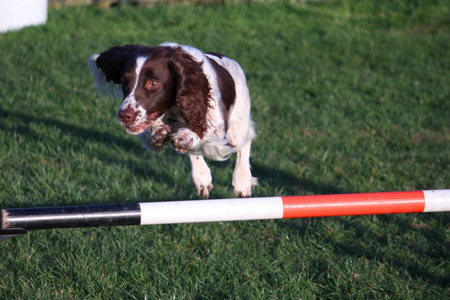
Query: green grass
pixel 348 96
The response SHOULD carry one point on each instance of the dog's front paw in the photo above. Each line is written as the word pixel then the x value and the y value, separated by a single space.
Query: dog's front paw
pixel 185 140
pixel 159 134
pixel 203 190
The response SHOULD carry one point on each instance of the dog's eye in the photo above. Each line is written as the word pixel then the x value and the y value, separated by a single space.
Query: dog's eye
pixel 151 84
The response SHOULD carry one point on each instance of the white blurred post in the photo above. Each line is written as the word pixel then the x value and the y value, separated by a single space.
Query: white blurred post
pixel 16 14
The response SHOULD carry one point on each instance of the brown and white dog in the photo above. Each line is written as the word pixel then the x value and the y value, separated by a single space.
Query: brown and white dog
pixel 173 94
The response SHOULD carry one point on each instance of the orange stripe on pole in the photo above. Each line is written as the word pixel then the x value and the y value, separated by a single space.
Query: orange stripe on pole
pixel 353 204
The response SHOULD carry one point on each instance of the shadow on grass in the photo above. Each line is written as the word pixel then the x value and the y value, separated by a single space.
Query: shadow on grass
pixel 379 247
pixel 437 246
pixel 76 131
pixel 291 184
pixel 148 169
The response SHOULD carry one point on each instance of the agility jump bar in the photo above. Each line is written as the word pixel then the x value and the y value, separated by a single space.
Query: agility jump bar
pixel 17 221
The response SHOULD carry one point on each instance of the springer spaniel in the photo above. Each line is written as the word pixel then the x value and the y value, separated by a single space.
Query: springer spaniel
pixel 173 94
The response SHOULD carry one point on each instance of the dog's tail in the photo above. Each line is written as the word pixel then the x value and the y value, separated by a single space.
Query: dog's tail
pixel 103 86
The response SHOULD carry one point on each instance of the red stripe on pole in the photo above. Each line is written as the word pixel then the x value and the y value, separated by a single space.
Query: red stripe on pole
pixel 353 204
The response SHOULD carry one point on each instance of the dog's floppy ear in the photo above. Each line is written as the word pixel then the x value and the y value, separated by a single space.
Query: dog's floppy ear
pixel 192 90
pixel 113 61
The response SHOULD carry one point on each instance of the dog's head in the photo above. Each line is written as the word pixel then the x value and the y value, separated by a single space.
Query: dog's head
pixel 153 80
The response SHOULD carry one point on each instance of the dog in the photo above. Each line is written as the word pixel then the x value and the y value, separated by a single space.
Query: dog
pixel 178 95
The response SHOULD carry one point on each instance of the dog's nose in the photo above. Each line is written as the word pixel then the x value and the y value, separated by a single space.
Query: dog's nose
pixel 127 115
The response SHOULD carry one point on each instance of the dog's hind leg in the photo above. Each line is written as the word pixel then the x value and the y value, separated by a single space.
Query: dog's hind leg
pixel 201 175
pixel 243 182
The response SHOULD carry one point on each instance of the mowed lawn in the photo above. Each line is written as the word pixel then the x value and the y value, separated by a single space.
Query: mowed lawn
pixel 347 97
